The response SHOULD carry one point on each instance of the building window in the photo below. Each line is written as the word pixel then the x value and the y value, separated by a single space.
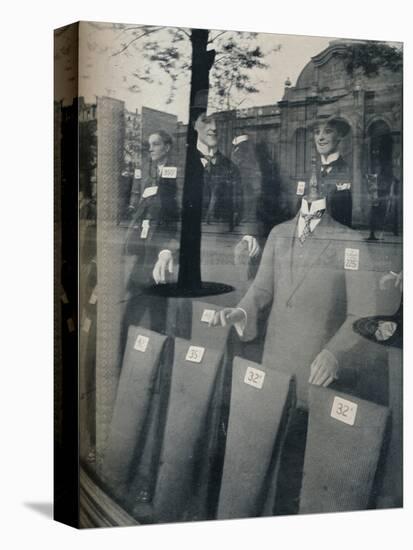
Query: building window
pixel 300 152
pixel 369 102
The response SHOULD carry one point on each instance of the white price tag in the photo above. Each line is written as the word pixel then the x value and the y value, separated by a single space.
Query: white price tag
pixel 145 229
pixel 93 297
pixel 351 258
pixel 254 377
pixel 149 191
pixel 141 343
pixel 343 186
pixel 344 410
pixel 169 172
pixel 300 188
pixel 208 315
pixel 138 174
pixel 87 323
pixel 195 354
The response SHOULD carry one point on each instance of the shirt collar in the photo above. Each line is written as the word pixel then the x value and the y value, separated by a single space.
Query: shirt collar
pixel 205 150
pixel 239 139
pixel 332 157
pixel 315 206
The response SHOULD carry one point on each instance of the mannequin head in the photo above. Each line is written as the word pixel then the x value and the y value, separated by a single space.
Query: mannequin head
pixel 160 144
pixel 206 129
pixel 326 137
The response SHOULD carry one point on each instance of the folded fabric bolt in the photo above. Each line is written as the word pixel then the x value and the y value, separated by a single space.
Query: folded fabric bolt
pixel 259 403
pixel 194 374
pixel 139 370
pixel 344 439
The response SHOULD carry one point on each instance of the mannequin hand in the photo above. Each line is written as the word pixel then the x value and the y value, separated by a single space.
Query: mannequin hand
pixel 228 316
pixel 163 265
pixel 323 369
pixel 396 277
pixel 253 246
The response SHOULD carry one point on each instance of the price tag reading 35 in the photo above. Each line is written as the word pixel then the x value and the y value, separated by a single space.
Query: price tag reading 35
pixel 195 354
pixel 344 410
pixel 141 343
pixel 254 377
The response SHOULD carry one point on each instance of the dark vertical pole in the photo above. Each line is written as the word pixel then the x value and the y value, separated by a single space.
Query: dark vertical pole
pixel 189 277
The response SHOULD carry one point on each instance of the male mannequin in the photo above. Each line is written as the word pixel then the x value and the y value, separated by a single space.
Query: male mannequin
pixel 152 235
pixel 222 193
pixel 315 293
pixel 315 279
pixel 334 172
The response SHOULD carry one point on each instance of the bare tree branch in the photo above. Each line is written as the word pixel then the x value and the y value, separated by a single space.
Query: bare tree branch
pixel 216 37
pixel 184 32
pixel 126 46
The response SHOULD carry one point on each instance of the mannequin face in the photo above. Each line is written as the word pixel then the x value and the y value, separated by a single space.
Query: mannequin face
pixel 326 139
pixel 207 130
pixel 157 148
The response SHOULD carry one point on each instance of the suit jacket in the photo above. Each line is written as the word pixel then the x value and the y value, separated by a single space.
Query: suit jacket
pixel 222 192
pixel 251 171
pixel 313 299
pixel 162 212
pixel 339 197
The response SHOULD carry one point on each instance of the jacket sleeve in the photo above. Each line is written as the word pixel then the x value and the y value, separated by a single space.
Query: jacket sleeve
pixel 245 205
pixel 261 292
pixel 135 194
pixel 361 301
pixel 168 216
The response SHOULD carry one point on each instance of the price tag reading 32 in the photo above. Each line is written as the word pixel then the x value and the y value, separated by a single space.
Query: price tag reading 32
pixel 195 354
pixel 254 377
pixel 344 410
pixel 141 343
pixel 208 315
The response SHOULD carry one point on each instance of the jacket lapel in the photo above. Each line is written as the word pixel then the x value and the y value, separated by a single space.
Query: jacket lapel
pixel 313 248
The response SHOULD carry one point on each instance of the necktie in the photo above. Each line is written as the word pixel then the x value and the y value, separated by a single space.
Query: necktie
pixel 307 219
pixel 325 168
pixel 208 160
